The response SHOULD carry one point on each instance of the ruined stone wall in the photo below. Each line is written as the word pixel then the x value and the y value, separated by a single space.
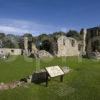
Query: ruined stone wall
pixel 67 46
pixel 34 49
pixel 10 51
pixel 93 35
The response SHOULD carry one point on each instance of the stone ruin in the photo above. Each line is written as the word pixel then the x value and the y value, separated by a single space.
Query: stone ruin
pixel 37 78
pixel 11 85
pixel 94 55
pixel 35 52
pixel 66 46
pixel 4 55
pixel 41 54
pixel 44 54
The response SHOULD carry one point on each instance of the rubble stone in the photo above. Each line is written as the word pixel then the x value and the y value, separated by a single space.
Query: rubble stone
pixel 43 54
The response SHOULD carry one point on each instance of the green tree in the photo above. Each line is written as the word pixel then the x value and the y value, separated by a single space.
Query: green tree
pixel 21 42
pixel 7 43
pixel 29 35
pixel 2 36
pixel 56 35
pixel 14 39
pixel 43 37
pixel 74 34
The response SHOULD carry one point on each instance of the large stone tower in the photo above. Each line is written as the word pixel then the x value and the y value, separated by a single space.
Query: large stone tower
pixel 26 45
pixel 93 39
pixel 83 36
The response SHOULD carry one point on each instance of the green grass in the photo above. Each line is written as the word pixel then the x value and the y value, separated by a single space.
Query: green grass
pixel 82 83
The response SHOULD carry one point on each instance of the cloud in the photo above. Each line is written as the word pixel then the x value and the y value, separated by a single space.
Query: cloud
pixel 64 29
pixel 8 29
pixel 20 27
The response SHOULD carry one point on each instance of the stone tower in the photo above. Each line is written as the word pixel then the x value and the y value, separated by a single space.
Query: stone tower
pixel 34 49
pixel 93 39
pixel 26 45
pixel 83 35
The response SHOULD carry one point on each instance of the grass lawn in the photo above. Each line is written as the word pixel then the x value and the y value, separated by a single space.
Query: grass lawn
pixel 82 83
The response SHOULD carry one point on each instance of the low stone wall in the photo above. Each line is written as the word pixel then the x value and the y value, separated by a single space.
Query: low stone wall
pixel 11 85
pixel 10 51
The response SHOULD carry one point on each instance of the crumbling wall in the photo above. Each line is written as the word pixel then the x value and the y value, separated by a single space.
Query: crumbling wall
pixel 67 47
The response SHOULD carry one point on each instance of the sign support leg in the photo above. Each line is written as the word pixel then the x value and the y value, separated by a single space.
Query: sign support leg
pixel 46 80
pixel 61 78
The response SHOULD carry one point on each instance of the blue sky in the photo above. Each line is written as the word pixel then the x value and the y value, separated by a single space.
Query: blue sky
pixel 46 16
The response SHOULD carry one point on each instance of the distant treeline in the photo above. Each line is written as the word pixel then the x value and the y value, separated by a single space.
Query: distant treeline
pixel 16 41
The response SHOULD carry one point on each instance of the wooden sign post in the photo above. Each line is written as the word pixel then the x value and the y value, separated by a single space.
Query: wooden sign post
pixel 54 71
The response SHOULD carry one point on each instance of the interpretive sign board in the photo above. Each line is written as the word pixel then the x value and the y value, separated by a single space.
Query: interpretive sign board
pixel 54 71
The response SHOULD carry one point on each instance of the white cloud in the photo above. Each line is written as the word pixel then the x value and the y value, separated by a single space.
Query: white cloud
pixel 8 29
pixel 64 29
pixel 21 26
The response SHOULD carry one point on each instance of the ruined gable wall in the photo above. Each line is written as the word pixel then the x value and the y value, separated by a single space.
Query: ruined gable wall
pixel 67 46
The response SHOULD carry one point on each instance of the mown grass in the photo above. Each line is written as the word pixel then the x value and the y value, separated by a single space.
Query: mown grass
pixel 82 83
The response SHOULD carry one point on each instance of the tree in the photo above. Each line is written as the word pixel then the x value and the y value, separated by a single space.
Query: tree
pixel 56 35
pixel 46 45
pixel 2 35
pixel 21 42
pixel 49 42
pixel 29 35
pixel 43 37
pixel 7 43
pixel 14 39
pixel 74 34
